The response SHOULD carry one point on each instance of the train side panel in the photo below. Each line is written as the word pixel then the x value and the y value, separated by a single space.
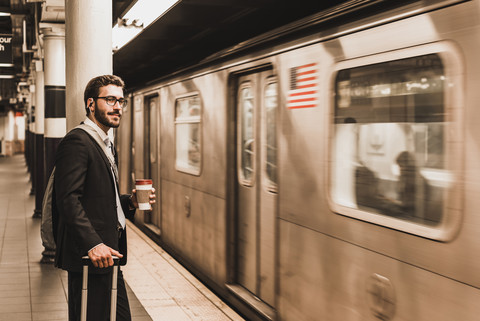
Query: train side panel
pixel 347 262
pixel 193 204
pixel 307 247
pixel 330 279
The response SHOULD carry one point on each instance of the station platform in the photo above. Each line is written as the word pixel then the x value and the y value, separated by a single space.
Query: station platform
pixel 159 288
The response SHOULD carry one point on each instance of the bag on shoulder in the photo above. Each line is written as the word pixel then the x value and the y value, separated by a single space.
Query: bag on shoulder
pixel 46 229
pixel 47 226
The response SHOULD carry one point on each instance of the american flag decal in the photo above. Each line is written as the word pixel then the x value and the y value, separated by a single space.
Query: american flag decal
pixel 303 82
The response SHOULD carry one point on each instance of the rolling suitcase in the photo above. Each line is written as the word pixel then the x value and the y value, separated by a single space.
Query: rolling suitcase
pixel 113 305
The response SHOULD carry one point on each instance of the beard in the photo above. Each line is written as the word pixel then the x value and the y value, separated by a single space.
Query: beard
pixel 103 119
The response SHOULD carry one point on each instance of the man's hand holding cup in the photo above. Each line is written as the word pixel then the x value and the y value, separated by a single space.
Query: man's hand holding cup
pixel 143 196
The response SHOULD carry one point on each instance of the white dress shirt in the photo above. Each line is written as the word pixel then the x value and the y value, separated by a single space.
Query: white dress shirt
pixel 108 139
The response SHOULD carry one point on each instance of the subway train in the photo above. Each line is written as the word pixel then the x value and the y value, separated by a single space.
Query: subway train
pixel 328 169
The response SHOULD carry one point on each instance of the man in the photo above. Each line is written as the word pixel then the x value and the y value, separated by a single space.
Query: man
pixel 90 213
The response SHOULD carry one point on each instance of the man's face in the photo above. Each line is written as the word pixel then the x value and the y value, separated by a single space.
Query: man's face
pixel 108 116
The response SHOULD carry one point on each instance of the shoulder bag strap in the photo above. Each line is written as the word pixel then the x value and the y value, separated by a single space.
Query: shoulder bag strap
pixel 93 133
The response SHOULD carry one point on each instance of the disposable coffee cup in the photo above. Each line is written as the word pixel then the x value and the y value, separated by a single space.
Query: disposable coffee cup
pixel 144 188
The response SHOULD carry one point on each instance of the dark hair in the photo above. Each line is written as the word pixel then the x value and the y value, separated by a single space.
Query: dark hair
pixel 406 160
pixel 93 87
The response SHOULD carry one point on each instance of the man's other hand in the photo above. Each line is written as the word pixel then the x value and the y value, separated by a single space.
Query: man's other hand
pixel 101 256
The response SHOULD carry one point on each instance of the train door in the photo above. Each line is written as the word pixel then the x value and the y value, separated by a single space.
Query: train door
pixel 151 156
pixel 123 143
pixel 147 152
pixel 256 184
pixel 137 144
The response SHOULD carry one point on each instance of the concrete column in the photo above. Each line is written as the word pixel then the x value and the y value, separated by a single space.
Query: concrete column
pixel 54 84
pixel 54 99
pixel 31 144
pixel 3 130
pixel 20 122
pixel 88 50
pixel 40 107
pixel 39 149
pixel 28 138
pixel 27 127
pixel 9 133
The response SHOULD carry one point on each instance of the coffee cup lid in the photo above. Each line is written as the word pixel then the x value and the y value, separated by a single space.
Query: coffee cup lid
pixel 143 181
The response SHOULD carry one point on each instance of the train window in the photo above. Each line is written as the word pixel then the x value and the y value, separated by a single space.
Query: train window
pixel 270 142
pixel 246 109
pixel 187 134
pixel 389 140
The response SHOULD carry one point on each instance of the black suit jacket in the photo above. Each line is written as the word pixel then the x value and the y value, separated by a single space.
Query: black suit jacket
pixel 85 211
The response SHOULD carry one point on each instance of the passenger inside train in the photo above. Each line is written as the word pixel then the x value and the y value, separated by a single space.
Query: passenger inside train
pixel 408 197
pixel 410 188
pixel 389 135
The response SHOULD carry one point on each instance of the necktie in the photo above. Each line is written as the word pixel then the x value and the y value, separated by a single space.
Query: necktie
pixel 111 157
pixel 120 214
pixel 113 150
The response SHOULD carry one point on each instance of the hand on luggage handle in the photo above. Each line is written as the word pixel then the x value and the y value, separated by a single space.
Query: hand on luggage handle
pixel 86 260
pixel 113 300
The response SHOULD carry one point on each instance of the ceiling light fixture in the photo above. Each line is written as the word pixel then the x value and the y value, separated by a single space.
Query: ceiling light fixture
pixel 140 16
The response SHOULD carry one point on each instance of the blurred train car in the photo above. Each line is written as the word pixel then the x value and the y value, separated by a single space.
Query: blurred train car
pixel 327 170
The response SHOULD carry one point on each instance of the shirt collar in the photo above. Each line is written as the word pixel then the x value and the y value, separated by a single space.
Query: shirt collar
pixel 100 132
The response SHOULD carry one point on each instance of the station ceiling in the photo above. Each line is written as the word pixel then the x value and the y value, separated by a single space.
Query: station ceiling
pixel 13 25
pixel 188 33
pixel 194 29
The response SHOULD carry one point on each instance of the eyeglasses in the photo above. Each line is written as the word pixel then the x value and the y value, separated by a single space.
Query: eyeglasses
pixel 111 101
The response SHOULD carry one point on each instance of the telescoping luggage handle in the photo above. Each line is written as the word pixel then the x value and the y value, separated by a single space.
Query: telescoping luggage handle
pixel 113 306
